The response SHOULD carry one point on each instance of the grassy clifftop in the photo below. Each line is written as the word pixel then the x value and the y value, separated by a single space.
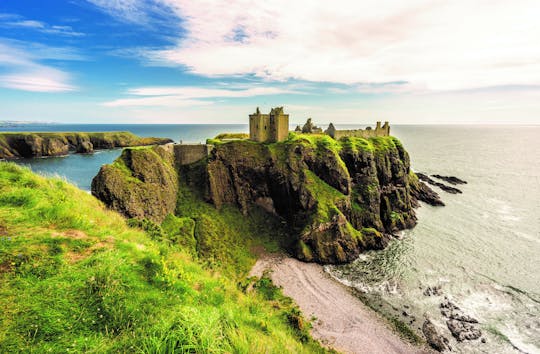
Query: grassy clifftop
pixel 76 278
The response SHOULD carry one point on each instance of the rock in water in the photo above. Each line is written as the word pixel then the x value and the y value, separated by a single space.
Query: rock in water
pixel 450 179
pixel 433 291
pixel 442 186
pixel 434 339
pixel 461 326
pixel 463 330
pixel 422 192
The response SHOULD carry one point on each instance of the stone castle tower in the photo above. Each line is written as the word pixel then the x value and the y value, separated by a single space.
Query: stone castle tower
pixel 271 127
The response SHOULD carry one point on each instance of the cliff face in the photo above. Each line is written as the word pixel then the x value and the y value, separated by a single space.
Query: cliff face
pixel 17 145
pixel 141 183
pixel 337 197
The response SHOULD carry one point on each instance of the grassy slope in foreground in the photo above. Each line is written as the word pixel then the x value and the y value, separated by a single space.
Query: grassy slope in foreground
pixel 76 278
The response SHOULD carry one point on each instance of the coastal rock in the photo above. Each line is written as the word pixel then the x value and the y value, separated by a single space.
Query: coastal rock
pixel 433 291
pixel 339 198
pixel 442 186
pixel 463 330
pixel 422 192
pixel 142 183
pixel 462 326
pixel 85 147
pixel 434 339
pixel 28 145
pixel 450 179
pixel 450 310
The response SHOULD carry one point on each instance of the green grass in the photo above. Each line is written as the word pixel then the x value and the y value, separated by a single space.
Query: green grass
pixel 232 136
pixel 326 197
pixel 225 237
pixel 76 278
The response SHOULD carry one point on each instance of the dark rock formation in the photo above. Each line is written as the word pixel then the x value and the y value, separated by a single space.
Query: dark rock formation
pixel 422 192
pixel 442 186
pixel 450 310
pixel 433 291
pixel 26 145
pixel 434 339
pixel 450 179
pixel 462 326
pixel 463 330
pixel 141 183
pixel 339 198
pixel 85 147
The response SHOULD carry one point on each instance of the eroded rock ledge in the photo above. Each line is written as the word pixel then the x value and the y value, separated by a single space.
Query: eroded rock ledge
pixel 339 198
pixel 25 145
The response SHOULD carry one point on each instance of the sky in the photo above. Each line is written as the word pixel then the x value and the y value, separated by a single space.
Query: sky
pixel 215 61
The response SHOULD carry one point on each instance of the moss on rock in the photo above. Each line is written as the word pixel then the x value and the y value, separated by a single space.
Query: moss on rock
pixel 338 198
pixel 141 183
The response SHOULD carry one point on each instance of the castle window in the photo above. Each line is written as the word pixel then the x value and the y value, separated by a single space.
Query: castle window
pixel 265 127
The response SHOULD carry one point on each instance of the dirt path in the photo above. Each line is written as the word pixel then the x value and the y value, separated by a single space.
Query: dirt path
pixel 342 321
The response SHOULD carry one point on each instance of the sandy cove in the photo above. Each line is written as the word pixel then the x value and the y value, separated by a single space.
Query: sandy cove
pixel 342 321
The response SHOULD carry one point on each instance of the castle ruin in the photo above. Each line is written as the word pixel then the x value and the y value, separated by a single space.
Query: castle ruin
pixel 359 133
pixel 269 128
pixel 274 127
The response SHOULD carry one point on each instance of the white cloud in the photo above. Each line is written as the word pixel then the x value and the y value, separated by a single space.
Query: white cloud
pixel 52 81
pixel 16 21
pixel 24 72
pixel 428 43
pixel 182 96
pixel 143 12
pixel 129 10
pixel 199 92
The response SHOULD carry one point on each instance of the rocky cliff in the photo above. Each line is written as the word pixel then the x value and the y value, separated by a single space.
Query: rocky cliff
pixel 338 197
pixel 141 183
pixel 17 145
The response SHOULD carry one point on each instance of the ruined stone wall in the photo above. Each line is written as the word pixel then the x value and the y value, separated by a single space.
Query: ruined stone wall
pixel 358 133
pixel 362 133
pixel 185 154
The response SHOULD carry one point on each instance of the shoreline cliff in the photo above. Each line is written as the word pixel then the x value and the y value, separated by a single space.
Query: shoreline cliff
pixel 337 198
pixel 28 145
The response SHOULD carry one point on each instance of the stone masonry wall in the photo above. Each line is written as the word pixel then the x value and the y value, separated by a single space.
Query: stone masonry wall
pixel 190 153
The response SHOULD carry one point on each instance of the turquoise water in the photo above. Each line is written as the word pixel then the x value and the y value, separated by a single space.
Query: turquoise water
pixel 80 169
pixel 483 247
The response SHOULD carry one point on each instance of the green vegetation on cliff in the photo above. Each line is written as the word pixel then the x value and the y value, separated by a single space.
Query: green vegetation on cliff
pixel 76 278
pixel 339 196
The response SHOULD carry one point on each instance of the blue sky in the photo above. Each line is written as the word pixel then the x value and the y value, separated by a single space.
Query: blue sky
pixel 181 61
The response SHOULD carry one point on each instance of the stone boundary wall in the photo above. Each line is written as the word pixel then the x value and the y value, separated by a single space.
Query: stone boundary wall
pixel 358 133
pixel 185 154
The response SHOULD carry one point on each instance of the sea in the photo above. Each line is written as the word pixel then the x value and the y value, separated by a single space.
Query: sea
pixel 482 249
